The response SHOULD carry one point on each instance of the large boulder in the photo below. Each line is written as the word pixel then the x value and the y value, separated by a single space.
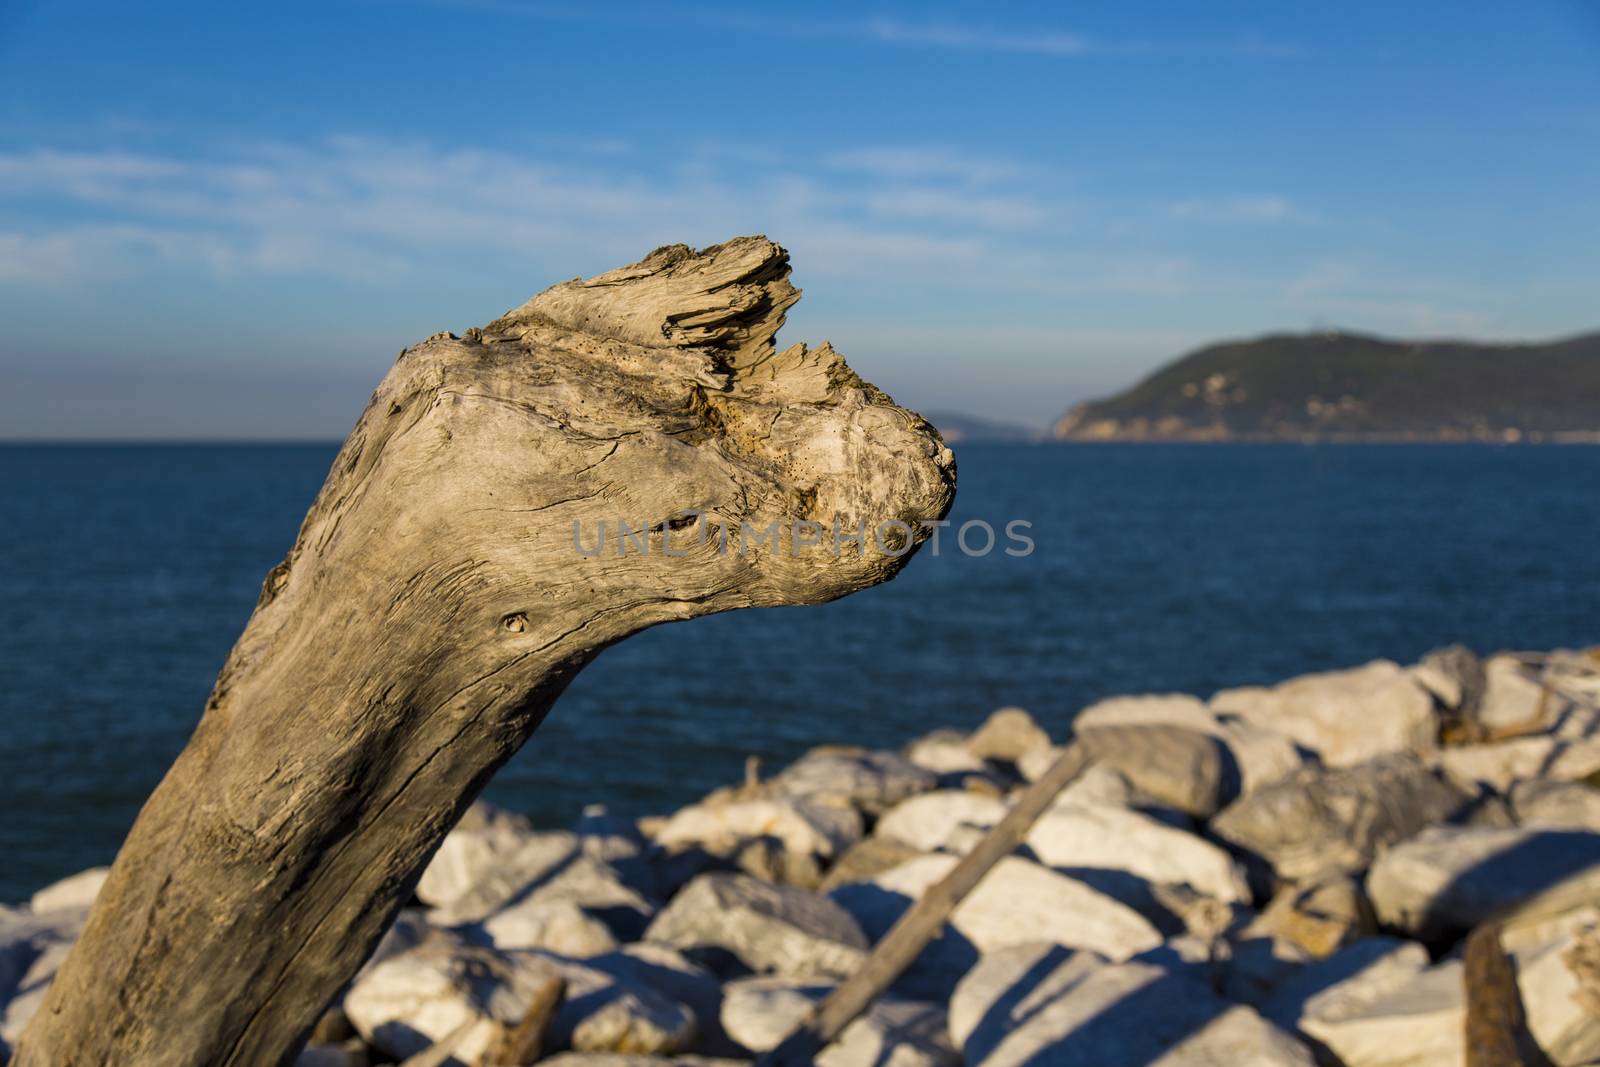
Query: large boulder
pixel 1108 844
pixel 1255 755
pixel 1016 901
pixel 673 975
pixel 557 925
pixel 948 820
pixel 758 1013
pixel 1449 879
pixel 1044 1004
pixel 487 836
pixel 1377 1003
pixel 443 987
pixel 1179 767
pixel 735 923
pixel 1346 717
pixel 851 777
pixel 1319 821
pixel 526 893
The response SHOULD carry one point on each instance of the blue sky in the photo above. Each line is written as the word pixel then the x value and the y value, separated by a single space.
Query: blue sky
pixel 225 220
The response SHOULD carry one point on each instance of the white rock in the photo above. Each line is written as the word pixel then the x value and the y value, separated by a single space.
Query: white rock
pixel 1098 786
pixel 1149 709
pixel 1017 901
pixel 1378 1004
pixel 870 856
pixel 869 781
pixel 1042 1004
pixel 1009 734
pixel 1320 820
pixel 77 891
pixel 949 820
pixel 799 825
pixel 1190 771
pixel 758 1013
pixel 1347 980
pixel 526 883
pixel 1344 716
pixel 765 927
pixel 602 1014
pixel 408 1002
pixel 1113 839
pixel 945 752
pixel 672 974
pixel 1556 805
pixel 1555 978
pixel 1575 759
pixel 1448 879
pixel 489 837
pixel 1498 764
pixel 1262 755
pixel 1513 697
pixel 557 925
pixel 1035 762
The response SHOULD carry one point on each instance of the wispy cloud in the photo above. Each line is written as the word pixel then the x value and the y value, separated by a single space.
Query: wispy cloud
pixel 981 229
pixel 948 35
pixel 1241 209
pixel 925 161
pixel 972 38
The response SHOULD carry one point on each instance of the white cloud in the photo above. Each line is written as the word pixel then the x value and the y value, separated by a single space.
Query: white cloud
pixel 906 33
pixel 974 38
pixel 368 208
pixel 917 162
pixel 1241 209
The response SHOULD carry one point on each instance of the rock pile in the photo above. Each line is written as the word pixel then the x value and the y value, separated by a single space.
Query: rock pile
pixel 1279 876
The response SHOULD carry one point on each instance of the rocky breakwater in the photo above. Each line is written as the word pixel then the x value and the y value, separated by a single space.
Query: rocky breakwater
pixel 1274 876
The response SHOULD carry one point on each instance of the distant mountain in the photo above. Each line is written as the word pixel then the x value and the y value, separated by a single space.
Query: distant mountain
pixel 1346 386
pixel 966 429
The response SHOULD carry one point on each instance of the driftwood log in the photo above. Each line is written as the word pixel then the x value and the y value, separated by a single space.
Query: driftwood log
pixel 438 600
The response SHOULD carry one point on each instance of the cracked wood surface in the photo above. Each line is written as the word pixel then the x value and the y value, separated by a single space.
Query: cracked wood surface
pixel 434 606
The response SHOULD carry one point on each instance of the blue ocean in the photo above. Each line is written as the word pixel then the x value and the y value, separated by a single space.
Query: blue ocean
pixel 126 572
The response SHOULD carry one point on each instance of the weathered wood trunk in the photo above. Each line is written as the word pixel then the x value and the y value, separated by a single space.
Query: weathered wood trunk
pixel 434 606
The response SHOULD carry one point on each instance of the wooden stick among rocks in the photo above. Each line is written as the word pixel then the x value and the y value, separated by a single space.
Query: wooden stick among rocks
pixel 921 924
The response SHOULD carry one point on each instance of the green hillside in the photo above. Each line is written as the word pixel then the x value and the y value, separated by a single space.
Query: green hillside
pixel 1339 385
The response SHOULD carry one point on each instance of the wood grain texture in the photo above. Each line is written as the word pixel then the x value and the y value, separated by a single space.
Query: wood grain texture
pixel 433 608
